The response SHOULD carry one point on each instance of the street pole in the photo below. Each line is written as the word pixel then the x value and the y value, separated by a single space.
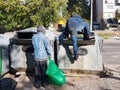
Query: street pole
pixel 91 16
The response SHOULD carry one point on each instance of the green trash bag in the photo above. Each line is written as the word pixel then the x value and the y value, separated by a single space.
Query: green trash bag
pixel 55 75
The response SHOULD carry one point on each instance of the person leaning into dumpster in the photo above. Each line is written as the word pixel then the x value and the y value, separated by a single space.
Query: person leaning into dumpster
pixel 42 52
pixel 74 25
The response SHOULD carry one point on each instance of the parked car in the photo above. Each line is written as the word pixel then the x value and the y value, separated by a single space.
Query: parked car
pixel 111 22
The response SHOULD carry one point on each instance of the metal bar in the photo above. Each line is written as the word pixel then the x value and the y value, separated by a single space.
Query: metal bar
pixel 55 52
pixel 80 42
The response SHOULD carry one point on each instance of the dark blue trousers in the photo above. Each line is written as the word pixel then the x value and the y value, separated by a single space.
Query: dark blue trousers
pixel 40 72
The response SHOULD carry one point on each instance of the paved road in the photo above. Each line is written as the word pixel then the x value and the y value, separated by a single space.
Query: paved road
pixel 111 51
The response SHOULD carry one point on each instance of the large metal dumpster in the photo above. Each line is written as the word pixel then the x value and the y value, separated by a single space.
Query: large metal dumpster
pixel 90 57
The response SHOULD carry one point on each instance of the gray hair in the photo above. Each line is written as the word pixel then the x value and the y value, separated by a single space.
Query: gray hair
pixel 41 28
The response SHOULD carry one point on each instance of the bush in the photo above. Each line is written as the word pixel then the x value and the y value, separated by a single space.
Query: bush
pixel 15 13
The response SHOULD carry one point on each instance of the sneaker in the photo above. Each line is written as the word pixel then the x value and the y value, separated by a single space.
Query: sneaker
pixel 36 85
pixel 45 84
pixel 91 36
pixel 86 38
pixel 76 58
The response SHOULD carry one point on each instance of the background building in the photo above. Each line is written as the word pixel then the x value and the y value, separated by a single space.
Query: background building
pixel 104 9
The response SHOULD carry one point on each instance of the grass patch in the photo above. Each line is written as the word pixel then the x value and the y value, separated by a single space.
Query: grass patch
pixel 108 33
pixel 105 34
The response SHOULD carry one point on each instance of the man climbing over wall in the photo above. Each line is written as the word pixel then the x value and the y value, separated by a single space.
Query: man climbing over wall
pixel 74 25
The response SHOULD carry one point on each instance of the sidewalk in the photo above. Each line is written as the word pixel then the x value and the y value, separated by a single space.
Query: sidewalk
pixel 80 82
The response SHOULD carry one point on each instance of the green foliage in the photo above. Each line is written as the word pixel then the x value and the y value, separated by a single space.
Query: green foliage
pixel 16 14
pixel 13 14
pixel 79 7
pixel 19 15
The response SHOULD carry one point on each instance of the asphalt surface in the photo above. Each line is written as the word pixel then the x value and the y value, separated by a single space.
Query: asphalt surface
pixel 111 51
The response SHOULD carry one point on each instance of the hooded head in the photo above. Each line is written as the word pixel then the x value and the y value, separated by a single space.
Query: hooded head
pixel 41 28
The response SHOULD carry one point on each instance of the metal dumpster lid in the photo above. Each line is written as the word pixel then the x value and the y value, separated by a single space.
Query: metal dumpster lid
pixel 32 29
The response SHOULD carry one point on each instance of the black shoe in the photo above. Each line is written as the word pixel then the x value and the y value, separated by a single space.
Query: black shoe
pixel 45 84
pixel 36 85
pixel 86 38
pixel 89 37
pixel 76 58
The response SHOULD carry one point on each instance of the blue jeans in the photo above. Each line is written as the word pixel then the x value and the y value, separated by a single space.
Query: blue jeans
pixel 74 42
pixel 84 27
